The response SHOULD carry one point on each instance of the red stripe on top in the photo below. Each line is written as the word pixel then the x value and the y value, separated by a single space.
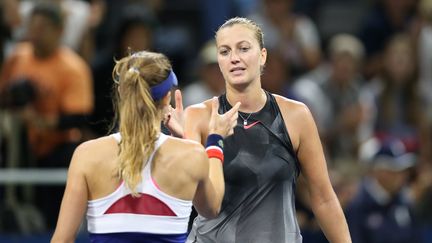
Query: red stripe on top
pixel 144 204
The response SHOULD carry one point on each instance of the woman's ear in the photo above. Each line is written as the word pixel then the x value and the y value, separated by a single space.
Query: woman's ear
pixel 263 56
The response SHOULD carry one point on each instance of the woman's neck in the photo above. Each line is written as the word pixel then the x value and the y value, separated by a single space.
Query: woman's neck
pixel 252 99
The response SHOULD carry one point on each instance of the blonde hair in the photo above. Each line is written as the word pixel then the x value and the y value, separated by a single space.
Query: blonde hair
pixel 259 35
pixel 138 114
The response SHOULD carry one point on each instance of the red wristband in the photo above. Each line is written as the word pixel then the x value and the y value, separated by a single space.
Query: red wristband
pixel 215 152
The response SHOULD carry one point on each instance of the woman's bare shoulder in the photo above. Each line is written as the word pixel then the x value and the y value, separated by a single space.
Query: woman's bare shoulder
pixel 196 120
pixel 184 147
pixel 204 106
pixel 96 150
pixel 97 144
pixel 186 153
pixel 292 107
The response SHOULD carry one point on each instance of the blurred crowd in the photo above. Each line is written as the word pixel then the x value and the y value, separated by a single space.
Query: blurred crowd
pixel 363 67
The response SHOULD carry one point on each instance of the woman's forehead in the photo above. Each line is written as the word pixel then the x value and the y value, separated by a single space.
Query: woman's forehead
pixel 235 34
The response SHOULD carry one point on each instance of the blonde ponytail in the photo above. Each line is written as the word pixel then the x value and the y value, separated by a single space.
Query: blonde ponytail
pixel 139 115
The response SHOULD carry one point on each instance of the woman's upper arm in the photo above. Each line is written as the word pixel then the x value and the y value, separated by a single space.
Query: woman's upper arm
pixel 311 156
pixel 74 203
pixel 211 186
pixel 205 192
pixel 204 189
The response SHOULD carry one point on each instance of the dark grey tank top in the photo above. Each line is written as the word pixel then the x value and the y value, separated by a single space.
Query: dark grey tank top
pixel 260 170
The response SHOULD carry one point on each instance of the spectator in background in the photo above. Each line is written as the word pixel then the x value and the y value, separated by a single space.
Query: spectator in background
pixel 421 188
pixel 293 35
pixel 385 19
pixel 133 32
pixel 210 80
pixel 394 96
pixel 382 212
pixel 332 93
pixel 50 87
pixel 75 27
pixel 423 39
pixel 422 184
pixel 108 11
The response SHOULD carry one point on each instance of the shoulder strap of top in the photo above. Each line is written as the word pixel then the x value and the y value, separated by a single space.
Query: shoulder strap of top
pixel 287 141
pixel 116 136
pixel 147 169
pixel 161 139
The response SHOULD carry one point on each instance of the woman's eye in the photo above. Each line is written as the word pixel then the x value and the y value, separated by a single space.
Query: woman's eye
pixel 244 49
pixel 223 52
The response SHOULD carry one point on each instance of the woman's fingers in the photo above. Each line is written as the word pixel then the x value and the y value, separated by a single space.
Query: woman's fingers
pixel 178 100
pixel 233 110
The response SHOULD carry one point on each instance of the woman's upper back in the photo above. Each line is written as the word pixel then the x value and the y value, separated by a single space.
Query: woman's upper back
pixel 176 166
pixel 169 180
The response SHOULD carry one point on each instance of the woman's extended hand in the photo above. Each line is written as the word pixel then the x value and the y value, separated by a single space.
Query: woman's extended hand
pixel 223 124
pixel 174 117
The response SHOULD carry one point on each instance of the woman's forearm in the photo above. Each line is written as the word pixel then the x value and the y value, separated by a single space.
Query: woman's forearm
pixel 332 220
pixel 217 178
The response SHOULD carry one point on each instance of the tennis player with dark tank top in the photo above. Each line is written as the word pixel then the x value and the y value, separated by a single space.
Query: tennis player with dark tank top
pixel 274 141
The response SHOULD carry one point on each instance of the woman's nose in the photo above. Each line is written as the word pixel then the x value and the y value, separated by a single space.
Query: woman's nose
pixel 234 57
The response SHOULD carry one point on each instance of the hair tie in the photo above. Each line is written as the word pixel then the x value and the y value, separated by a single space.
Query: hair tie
pixel 134 69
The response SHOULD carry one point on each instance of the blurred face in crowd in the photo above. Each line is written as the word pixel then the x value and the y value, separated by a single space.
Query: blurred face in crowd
pixel 137 37
pixel 391 181
pixel 275 75
pixel 278 8
pixel 399 61
pixel 239 55
pixel 44 35
pixel 345 68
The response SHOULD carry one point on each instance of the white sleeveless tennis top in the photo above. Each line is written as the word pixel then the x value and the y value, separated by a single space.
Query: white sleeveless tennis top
pixel 154 212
